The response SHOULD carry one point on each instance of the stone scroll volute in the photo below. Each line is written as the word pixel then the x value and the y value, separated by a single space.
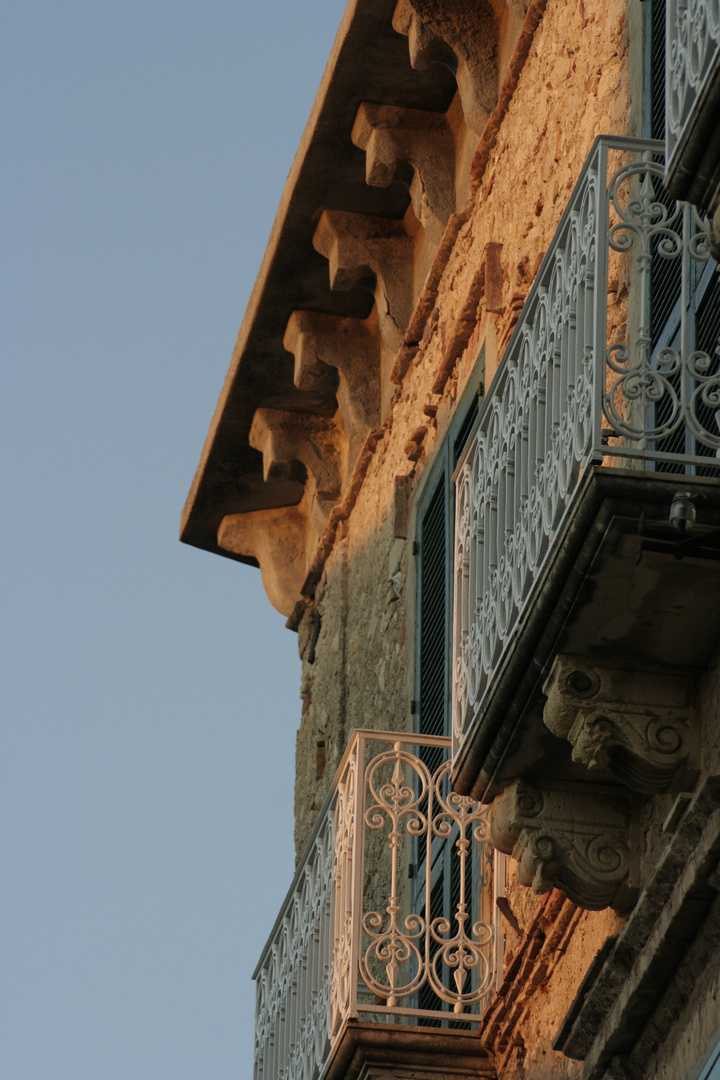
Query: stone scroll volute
pixel 637 723
pixel 567 837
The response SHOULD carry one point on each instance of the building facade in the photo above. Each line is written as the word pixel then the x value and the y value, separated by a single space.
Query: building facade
pixel 471 438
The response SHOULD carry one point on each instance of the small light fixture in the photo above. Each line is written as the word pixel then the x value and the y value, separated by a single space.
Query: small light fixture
pixel 682 512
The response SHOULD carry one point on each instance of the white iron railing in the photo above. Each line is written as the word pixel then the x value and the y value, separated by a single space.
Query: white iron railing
pixel 586 378
pixel 358 935
pixel 692 33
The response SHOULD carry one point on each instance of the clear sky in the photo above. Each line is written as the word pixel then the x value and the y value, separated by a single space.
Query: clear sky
pixel 149 693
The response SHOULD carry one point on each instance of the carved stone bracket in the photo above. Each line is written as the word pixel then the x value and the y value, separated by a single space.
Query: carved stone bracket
pixel 464 36
pixel 354 244
pixel 634 722
pixel 293 442
pixel 392 136
pixel 279 540
pixel 570 838
pixel 325 344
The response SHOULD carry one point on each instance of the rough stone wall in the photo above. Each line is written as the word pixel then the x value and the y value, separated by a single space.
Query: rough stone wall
pixel 575 84
pixel 579 80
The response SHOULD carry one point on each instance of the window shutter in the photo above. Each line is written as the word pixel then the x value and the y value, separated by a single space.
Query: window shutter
pixel 434 601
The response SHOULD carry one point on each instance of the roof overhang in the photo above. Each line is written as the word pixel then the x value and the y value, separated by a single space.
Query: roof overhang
pixel 369 62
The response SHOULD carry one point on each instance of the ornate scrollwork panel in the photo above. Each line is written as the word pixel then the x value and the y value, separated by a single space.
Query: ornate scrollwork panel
pixel 658 398
pixel 340 991
pixel 636 723
pixel 293 984
pixel 405 949
pixel 693 35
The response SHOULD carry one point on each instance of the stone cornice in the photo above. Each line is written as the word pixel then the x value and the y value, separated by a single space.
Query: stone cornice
pixel 352 227
pixel 369 61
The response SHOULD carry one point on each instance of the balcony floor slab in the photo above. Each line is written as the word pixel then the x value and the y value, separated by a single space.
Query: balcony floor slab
pixel 407 1053
pixel 618 587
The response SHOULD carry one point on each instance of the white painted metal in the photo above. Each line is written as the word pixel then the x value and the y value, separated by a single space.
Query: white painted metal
pixel 348 942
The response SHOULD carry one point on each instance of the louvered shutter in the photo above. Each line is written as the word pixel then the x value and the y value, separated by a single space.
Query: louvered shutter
pixel 436 514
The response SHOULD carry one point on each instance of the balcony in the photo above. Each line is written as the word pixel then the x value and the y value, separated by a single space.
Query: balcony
pixel 588 506
pixel 692 99
pixel 388 927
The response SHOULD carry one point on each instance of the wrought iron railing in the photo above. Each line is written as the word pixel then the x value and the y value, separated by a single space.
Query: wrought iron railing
pixel 601 368
pixel 692 62
pixel 356 937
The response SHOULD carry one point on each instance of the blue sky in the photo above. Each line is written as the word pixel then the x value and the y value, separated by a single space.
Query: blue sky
pixel 149 691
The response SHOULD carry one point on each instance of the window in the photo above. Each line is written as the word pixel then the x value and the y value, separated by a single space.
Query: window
pixel 434 552
pixel 433 671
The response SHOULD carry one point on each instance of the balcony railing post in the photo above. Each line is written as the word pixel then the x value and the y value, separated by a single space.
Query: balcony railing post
pixel 600 281
pixel 358 860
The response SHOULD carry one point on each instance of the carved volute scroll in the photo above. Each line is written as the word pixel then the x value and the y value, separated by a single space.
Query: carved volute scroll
pixel 463 35
pixel 281 540
pixel 291 443
pixel 346 351
pixel 391 137
pixel 354 244
pixel 635 722
pixel 570 838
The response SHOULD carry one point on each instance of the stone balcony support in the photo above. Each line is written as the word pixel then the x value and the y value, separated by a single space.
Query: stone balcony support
pixel 633 721
pixel 570 837
pixel 392 137
pixel 465 37
pixel 342 353
pixel 357 245
pixel 295 445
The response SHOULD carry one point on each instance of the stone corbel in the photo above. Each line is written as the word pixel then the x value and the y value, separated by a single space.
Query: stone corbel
pixel 279 540
pixel 294 443
pixel 325 344
pixel 462 34
pixel 390 137
pixel 354 244
pixel 573 839
pixel 634 722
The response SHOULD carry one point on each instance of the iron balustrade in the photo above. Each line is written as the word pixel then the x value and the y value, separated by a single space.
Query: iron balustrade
pixel 692 63
pixel 602 368
pixel 352 940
